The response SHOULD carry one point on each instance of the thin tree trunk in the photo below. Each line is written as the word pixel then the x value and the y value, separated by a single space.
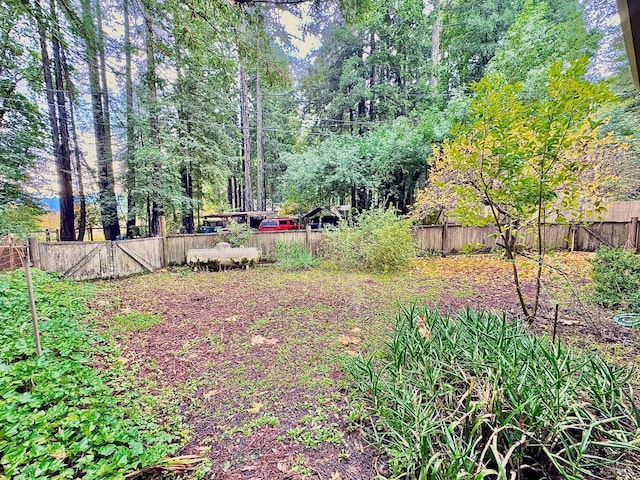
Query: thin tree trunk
pixel 129 159
pixel 246 139
pixel 435 44
pixel 82 216
pixel 157 209
pixel 262 184
pixel 67 224
pixel 372 79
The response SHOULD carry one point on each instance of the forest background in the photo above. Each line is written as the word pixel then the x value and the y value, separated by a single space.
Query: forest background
pixel 142 109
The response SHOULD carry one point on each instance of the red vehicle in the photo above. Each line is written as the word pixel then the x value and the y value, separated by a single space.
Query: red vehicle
pixel 277 225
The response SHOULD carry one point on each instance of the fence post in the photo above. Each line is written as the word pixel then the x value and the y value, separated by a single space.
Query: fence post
pixel 634 233
pixel 35 252
pixel 57 234
pixel 164 242
pixel 307 237
pixel 445 237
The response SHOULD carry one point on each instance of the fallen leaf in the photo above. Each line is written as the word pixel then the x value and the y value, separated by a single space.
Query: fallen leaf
pixel 255 408
pixel 347 340
pixel 260 340
pixel 569 322
pixel 210 394
pixel 283 467
pixel 422 326
pixel 356 330
pixel 336 476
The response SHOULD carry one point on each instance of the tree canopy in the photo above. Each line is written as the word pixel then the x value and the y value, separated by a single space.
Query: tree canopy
pixel 204 106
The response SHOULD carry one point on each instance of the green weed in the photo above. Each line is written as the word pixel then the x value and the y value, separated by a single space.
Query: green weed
pixel 249 427
pixel 315 429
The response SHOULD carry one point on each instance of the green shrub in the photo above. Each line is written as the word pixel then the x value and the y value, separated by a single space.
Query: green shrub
pixel 616 279
pixel 476 397
pixel 294 256
pixel 380 241
pixel 239 234
pixel 18 220
pixel 58 416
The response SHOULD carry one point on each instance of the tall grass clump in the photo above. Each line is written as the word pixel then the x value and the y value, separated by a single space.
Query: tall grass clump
pixel 294 256
pixel 380 241
pixel 616 279
pixel 59 416
pixel 475 397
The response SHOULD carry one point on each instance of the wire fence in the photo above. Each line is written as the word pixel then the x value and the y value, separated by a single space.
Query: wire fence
pixel 12 253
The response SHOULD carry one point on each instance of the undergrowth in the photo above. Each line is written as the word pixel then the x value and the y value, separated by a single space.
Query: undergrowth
pixel 294 256
pixel 58 416
pixel 381 241
pixel 476 397
pixel 616 279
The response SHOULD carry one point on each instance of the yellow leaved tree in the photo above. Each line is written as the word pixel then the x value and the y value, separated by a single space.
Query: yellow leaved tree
pixel 516 161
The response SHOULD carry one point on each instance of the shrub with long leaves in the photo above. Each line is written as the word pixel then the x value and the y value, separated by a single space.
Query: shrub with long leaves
pixel 476 396
pixel 59 417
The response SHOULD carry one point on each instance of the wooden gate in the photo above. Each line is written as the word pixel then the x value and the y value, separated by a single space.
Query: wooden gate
pixel 93 260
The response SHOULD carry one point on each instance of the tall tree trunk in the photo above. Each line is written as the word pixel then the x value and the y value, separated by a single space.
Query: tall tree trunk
pixel 82 214
pixel 129 159
pixel 246 139
pixel 63 164
pixel 49 88
pixel 435 44
pixel 262 183
pixel 108 204
pixel 157 209
pixel 110 210
pixel 186 175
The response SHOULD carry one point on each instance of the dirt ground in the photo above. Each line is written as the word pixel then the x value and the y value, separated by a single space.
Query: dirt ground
pixel 248 362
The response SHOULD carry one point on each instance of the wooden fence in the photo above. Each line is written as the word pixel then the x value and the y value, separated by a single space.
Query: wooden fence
pixel 589 237
pixel 92 260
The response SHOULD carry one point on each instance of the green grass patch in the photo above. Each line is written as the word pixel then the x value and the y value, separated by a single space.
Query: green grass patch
pixel 135 321
pixel 475 396
pixel 59 418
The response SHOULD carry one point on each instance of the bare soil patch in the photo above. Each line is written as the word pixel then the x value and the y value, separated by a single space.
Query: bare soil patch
pixel 252 359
